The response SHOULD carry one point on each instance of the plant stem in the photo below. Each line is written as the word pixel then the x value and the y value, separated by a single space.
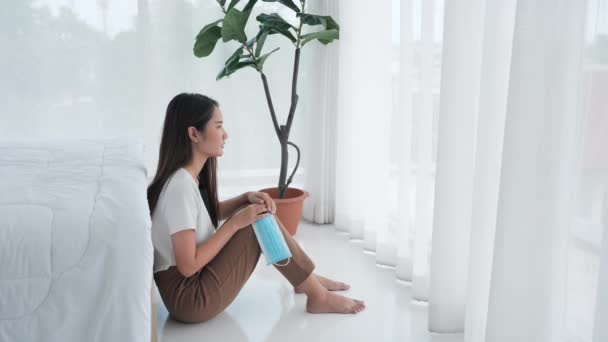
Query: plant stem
pixel 294 90
pixel 273 115
pixel 294 81
pixel 285 130
pixel 271 106
pixel 284 159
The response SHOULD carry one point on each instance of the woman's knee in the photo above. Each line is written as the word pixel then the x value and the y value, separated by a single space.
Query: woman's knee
pixel 247 234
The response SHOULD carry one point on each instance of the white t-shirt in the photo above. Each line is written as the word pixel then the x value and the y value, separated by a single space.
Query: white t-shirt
pixel 179 207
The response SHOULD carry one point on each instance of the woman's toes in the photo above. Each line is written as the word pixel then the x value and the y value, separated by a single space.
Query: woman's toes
pixel 357 307
pixel 343 286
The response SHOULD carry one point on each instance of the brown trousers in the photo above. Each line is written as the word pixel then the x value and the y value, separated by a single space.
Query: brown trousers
pixel 209 291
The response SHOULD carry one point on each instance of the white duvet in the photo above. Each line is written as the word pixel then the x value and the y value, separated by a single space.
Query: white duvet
pixel 75 248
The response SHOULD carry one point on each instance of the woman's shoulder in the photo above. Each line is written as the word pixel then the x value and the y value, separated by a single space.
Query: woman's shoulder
pixel 180 183
pixel 178 191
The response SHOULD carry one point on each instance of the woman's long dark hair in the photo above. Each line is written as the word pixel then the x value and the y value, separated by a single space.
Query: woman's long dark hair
pixel 183 111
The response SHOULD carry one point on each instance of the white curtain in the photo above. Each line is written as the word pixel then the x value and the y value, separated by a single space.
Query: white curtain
pixel 386 132
pixel 463 33
pixel 320 179
pixel 469 158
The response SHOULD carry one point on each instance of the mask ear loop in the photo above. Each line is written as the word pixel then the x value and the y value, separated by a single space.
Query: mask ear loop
pixel 285 264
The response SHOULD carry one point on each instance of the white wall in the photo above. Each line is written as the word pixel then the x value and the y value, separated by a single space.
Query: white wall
pixel 95 68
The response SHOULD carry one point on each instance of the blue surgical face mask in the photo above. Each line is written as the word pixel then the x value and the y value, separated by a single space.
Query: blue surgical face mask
pixel 271 240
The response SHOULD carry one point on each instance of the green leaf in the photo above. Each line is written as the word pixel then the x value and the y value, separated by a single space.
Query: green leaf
pixel 232 4
pixel 234 59
pixel 328 22
pixel 288 3
pixel 207 39
pixel 249 7
pixel 284 33
pixel 261 60
pixel 260 44
pixel 231 63
pixel 273 23
pixel 325 37
pixel 221 2
pixel 234 26
pixel 229 70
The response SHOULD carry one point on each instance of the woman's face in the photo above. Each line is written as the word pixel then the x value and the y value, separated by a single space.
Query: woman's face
pixel 211 142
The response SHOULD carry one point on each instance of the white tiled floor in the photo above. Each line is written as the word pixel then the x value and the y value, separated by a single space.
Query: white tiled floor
pixel 267 309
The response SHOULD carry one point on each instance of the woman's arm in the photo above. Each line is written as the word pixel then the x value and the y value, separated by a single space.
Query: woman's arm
pixel 228 207
pixel 190 258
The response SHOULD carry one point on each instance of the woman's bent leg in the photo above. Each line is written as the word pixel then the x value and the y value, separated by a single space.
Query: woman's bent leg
pixel 299 271
pixel 300 266
pixel 208 292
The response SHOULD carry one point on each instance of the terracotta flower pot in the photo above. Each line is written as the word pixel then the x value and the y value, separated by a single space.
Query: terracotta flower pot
pixel 289 209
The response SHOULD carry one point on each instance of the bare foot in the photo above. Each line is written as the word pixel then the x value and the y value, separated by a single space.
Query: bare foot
pixel 331 302
pixel 329 284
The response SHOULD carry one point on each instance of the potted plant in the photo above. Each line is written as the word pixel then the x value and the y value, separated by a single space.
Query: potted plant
pixel 250 54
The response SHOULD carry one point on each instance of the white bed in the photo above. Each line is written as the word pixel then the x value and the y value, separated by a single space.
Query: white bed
pixel 75 248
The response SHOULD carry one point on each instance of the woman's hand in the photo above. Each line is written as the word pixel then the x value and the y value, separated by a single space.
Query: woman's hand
pixel 257 197
pixel 248 215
